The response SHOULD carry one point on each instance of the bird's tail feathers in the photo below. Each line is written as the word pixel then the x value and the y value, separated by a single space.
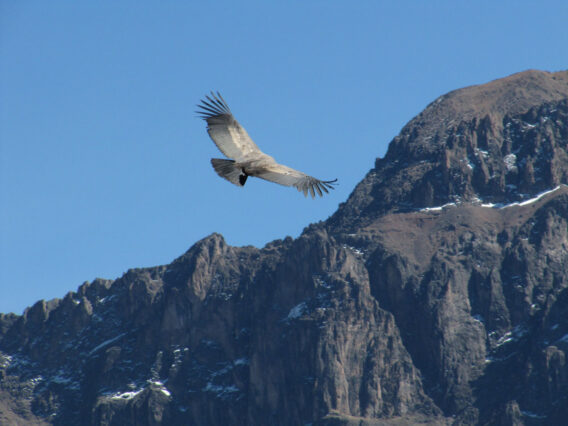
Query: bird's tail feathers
pixel 229 170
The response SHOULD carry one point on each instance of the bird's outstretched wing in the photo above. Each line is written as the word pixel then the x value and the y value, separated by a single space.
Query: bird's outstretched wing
pixel 284 175
pixel 230 137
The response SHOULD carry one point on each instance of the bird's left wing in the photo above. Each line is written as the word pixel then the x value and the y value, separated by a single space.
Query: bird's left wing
pixel 230 137
pixel 284 175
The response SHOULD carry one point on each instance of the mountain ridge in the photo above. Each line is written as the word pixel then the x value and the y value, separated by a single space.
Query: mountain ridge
pixel 437 294
pixel 437 159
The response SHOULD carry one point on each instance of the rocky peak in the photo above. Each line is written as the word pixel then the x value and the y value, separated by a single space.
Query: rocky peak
pixel 512 95
pixel 501 142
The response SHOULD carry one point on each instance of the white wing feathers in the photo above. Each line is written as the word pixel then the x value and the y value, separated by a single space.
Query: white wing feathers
pixel 229 136
pixel 246 158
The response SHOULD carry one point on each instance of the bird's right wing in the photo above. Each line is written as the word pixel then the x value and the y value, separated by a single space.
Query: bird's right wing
pixel 229 136
pixel 287 176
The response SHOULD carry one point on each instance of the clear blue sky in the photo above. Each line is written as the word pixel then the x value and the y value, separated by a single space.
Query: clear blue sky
pixel 105 167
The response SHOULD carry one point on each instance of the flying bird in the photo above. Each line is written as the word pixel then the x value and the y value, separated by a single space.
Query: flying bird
pixel 245 158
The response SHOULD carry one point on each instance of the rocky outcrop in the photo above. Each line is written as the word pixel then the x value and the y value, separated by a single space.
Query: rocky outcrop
pixel 472 299
pixel 502 142
pixel 223 335
pixel 438 293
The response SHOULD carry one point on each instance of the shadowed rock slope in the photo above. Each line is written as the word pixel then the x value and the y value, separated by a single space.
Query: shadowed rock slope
pixel 437 294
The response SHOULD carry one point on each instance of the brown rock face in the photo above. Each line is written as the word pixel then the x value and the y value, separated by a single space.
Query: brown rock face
pixel 437 294
pixel 501 142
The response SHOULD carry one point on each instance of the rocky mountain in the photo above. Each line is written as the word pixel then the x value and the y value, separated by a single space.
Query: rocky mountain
pixel 436 294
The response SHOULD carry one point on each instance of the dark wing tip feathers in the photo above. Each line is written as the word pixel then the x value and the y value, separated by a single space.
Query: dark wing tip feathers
pixel 314 185
pixel 213 106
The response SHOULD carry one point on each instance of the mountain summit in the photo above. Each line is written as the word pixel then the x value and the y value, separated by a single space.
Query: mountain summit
pixel 436 294
pixel 500 142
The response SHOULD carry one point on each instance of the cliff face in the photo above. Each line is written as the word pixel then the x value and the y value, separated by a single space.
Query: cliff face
pixel 438 293
pixel 501 142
